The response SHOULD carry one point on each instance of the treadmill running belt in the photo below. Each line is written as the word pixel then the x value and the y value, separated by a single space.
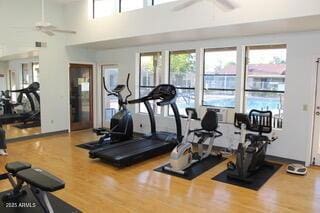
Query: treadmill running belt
pixel 128 153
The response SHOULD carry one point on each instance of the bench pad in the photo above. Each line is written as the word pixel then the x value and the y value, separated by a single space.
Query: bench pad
pixel 17 166
pixel 41 179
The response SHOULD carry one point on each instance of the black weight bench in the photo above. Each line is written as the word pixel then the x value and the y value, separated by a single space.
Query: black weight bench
pixel 39 181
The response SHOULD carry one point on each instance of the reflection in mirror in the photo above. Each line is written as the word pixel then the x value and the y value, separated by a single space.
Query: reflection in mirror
pixel 20 96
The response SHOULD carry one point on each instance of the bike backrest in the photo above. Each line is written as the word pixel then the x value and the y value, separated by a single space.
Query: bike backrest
pixel 209 121
pixel 255 121
pixel 261 121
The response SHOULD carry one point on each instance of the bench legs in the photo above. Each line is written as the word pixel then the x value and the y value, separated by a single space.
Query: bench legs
pixel 17 190
pixel 42 198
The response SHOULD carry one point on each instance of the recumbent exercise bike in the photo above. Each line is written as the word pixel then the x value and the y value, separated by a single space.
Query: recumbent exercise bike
pixel 252 149
pixel 185 154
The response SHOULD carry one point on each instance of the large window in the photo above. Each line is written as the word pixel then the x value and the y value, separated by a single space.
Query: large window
pixel 109 103
pixel 182 74
pixel 128 5
pixel 103 8
pixel 150 66
pixel 26 75
pixel 35 72
pixel 156 2
pixel 219 78
pixel 265 79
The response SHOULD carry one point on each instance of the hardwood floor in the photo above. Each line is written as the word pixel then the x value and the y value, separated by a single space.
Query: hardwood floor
pixel 14 132
pixel 93 186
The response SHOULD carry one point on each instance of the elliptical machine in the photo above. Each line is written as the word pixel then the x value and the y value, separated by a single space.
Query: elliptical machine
pixel 188 153
pixel 252 149
pixel 121 125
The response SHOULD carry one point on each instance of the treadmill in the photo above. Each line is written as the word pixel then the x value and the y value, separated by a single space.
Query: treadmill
pixel 33 115
pixel 156 143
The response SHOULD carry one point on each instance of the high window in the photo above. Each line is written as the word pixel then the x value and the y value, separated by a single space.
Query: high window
pixel 219 77
pixel 150 66
pixel 156 2
pixel 103 8
pixel 128 5
pixel 265 79
pixel 182 74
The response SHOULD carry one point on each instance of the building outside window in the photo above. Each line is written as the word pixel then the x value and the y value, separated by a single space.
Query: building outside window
pixel 182 74
pixel 219 77
pixel 150 69
pixel 265 79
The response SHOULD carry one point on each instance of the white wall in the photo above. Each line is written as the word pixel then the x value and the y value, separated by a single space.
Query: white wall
pixel 17 20
pixel 301 50
pixel 161 18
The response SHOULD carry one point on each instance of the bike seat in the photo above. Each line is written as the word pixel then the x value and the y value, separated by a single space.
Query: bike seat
pixel 203 133
pixel 254 137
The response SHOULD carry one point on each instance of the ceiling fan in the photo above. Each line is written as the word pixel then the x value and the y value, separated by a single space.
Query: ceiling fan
pixel 48 28
pixel 225 4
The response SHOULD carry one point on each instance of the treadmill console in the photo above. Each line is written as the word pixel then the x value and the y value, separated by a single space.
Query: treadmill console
pixel 165 92
pixel 35 86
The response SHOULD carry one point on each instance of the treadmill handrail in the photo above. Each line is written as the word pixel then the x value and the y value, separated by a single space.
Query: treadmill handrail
pixel 140 100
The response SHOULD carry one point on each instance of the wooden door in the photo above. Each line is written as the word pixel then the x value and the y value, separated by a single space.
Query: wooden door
pixel 81 96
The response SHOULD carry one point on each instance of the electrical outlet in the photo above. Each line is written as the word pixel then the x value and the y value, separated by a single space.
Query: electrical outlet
pixel 305 107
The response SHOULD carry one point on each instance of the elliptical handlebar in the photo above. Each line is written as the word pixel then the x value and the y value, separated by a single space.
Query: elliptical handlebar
pixel 130 93
pixel 106 89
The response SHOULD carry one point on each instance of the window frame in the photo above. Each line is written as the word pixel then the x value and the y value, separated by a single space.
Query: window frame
pixel 169 71
pixel 24 82
pixel 120 7
pixel 32 68
pixel 247 61
pixel 161 3
pixel 204 75
pixel 94 12
pixel 155 74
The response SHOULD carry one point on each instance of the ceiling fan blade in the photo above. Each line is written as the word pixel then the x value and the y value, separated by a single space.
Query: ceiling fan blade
pixel 64 31
pixel 49 33
pixel 50 27
pixel 228 4
pixel 185 5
